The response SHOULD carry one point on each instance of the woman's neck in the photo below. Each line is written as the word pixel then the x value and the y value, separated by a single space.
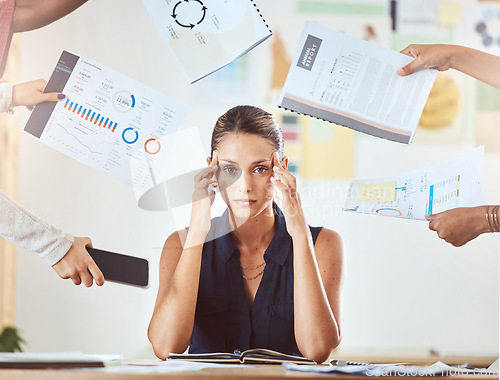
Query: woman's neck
pixel 256 232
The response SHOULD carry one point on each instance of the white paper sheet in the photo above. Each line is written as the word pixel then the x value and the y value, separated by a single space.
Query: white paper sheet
pixel 205 35
pixel 60 357
pixel 436 369
pixel 352 82
pixel 108 121
pixel 457 182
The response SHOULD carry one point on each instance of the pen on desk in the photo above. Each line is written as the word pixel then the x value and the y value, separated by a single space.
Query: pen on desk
pixel 345 363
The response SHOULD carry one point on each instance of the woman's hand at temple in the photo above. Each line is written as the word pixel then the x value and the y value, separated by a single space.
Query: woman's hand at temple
pixel 292 207
pixel 203 197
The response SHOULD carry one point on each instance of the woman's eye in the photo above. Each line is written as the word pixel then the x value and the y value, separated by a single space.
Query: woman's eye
pixel 229 169
pixel 260 170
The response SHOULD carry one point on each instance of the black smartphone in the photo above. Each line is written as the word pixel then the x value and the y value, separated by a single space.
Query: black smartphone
pixel 123 269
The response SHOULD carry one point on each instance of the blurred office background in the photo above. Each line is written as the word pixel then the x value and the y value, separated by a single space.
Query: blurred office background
pixel 405 290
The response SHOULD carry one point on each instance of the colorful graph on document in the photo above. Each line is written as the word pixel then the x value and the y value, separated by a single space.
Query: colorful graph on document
pixel 89 115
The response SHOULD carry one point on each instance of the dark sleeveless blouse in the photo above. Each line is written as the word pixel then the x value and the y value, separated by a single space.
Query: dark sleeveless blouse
pixel 223 322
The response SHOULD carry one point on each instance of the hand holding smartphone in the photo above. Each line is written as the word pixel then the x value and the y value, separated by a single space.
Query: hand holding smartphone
pixel 123 269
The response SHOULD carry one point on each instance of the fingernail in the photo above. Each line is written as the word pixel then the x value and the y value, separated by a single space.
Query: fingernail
pixel 272 179
pixel 61 96
pixel 30 108
pixel 400 72
pixel 275 168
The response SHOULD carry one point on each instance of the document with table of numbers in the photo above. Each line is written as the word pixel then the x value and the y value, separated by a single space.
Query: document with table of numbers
pixel 352 82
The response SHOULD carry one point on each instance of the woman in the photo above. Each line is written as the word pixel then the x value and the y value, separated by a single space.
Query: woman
pixel 273 282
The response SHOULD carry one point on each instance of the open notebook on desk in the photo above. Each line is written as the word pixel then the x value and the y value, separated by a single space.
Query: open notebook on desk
pixel 253 356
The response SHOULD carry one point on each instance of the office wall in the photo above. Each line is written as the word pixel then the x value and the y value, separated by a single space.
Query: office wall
pixel 404 288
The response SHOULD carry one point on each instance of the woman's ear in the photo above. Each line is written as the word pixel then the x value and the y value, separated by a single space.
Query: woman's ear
pixel 284 162
pixel 209 161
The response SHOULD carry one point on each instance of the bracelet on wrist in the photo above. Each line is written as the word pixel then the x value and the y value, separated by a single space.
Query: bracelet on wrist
pixel 495 219
pixel 492 217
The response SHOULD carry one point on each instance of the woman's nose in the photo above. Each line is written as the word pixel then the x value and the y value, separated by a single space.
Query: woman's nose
pixel 244 183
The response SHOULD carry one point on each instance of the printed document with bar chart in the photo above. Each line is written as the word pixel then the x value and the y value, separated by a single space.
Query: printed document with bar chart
pixel 457 182
pixel 107 121
pixel 206 35
pixel 352 82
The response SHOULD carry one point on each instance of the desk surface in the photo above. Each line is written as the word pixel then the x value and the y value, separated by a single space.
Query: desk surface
pixel 243 372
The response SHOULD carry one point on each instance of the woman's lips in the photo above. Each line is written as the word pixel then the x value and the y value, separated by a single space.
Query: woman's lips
pixel 244 202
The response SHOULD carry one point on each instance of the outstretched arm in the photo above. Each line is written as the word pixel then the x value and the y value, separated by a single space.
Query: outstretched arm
pixel 34 14
pixel 480 65
pixel 460 225
pixel 65 253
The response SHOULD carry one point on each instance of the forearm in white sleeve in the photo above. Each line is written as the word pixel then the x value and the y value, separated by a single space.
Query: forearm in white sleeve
pixel 27 231
pixel 5 96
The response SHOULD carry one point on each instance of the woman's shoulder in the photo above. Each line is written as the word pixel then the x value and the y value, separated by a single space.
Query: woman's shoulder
pixel 175 242
pixel 328 243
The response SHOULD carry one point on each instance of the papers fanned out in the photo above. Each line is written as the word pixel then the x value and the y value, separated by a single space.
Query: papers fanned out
pixel 107 121
pixel 351 82
pixel 206 35
pixel 253 356
pixel 55 360
pixel 400 369
pixel 457 182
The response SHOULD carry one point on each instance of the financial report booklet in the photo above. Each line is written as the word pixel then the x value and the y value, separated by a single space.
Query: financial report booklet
pixel 107 121
pixel 206 35
pixel 457 182
pixel 352 82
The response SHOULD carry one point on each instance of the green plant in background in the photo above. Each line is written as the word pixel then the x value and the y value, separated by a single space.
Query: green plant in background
pixel 10 341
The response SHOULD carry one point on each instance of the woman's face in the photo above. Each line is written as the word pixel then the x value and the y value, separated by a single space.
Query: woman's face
pixel 245 167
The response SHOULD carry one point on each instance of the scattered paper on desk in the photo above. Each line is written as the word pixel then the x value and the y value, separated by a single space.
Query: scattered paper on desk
pixel 457 182
pixel 162 366
pixel 436 369
pixel 47 357
pixel 206 35
pixel 377 192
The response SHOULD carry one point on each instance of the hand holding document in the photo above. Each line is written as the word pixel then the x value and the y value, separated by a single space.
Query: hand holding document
pixel 107 121
pixel 456 182
pixel 351 82
pixel 206 35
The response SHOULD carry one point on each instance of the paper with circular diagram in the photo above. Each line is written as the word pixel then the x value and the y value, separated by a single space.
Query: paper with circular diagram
pixel 457 182
pixel 206 35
